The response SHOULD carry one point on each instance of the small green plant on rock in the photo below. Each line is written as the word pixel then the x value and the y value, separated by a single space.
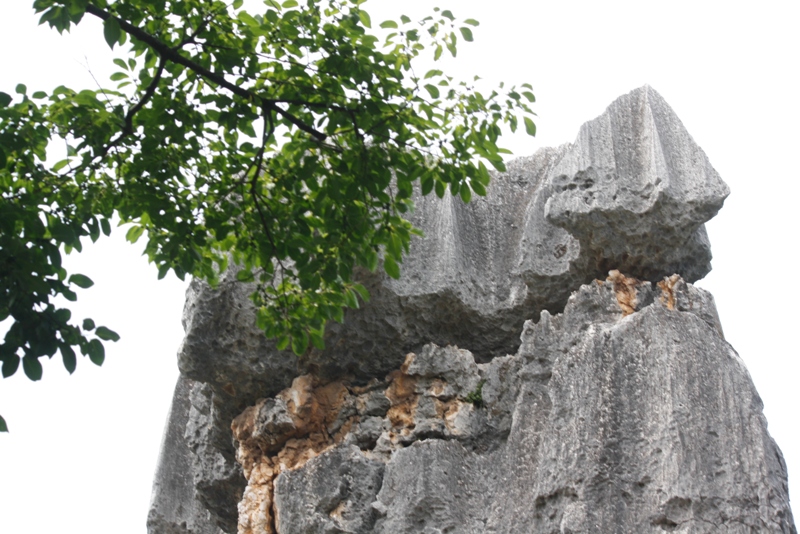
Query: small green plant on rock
pixel 476 396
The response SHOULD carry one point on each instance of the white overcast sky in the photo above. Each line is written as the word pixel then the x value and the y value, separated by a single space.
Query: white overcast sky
pixel 82 449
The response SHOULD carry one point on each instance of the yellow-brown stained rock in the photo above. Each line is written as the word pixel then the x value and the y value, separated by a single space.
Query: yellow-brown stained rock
pixel 402 394
pixel 313 407
pixel 667 286
pixel 625 289
pixel 255 508
pixel 437 388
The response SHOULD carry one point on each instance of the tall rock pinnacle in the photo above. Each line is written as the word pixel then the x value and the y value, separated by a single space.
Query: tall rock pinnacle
pixel 620 408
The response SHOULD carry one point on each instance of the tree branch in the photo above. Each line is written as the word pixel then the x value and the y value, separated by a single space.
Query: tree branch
pixel 172 54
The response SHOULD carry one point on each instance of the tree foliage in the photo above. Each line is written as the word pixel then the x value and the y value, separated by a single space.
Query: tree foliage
pixel 288 141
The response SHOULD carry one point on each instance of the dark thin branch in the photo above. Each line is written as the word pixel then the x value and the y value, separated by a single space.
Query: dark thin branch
pixel 127 129
pixel 148 94
pixel 172 54
pixel 269 130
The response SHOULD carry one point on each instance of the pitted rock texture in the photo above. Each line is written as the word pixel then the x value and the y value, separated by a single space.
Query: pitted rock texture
pixel 628 412
pixel 631 193
pixel 634 173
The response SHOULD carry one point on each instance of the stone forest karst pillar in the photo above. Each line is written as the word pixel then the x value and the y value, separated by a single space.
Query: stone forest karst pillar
pixel 544 365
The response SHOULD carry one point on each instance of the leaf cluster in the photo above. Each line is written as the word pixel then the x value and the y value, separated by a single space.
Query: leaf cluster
pixel 41 215
pixel 287 141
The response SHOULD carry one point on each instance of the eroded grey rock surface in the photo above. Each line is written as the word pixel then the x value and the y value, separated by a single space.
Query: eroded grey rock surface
pixel 628 412
pixel 632 193
pixel 175 508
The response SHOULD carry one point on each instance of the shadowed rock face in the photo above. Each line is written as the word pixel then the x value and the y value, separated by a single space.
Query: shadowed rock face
pixel 632 193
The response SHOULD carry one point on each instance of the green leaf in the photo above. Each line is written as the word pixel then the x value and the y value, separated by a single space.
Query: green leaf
pixel 472 22
pixel 134 233
pixel 529 96
pixel 10 365
pixel 317 338
pixel 282 342
pixel 451 46
pixel 32 367
pixel 364 17
pixel 433 90
pixel 440 188
pixel 362 291
pixel 21 88
pixel 68 357
pixel 62 315
pixel 245 275
pixel 299 344
pixel 81 281
pixel 248 19
pixel 111 31
pixel 530 127
pixel 3 425
pixel 60 165
pixel 247 128
pixel 106 334
pixel 391 267
pixel 96 352
pixel 372 260
pixel 324 213
pixel 39 95
pixel 427 184
pixel 350 299
pixel 498 164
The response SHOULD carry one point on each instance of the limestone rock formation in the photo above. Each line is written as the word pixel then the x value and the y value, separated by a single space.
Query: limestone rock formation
pixel 630 396
pixel 628 412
